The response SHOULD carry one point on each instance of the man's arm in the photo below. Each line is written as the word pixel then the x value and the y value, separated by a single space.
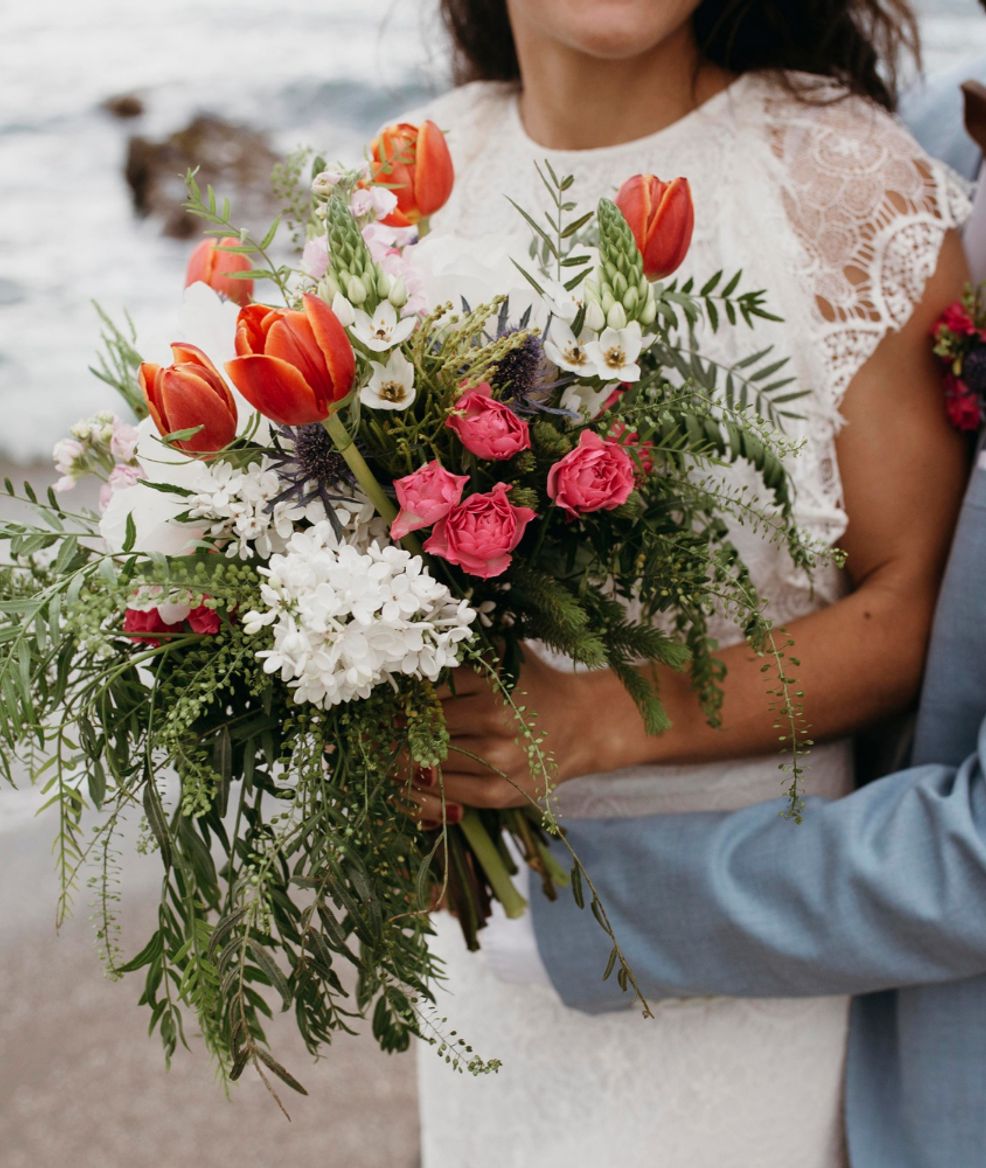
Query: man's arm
pixel 886 887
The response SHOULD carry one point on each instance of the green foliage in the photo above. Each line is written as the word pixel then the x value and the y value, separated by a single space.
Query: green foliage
pixel 119 361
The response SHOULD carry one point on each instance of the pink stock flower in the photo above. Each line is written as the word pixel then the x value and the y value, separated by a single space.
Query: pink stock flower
pixel 596 476
pixel 121 477
pixel 123 442
pixel 488 428
pixel 315 257
pixel 480 533
pixel 376 201
pixel 425 496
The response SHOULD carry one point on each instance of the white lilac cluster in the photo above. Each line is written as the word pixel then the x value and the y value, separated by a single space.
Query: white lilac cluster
pixel 344 619
pixel 240 510
pixel 238 506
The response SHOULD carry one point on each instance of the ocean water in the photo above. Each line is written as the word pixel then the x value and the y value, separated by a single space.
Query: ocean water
pixel 325 73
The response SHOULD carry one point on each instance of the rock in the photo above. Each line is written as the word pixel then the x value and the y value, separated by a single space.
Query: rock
pixel 124 105
pixel 234 159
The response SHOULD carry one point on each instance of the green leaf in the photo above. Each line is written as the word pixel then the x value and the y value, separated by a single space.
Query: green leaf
pixel 154 810
pixel 274 1066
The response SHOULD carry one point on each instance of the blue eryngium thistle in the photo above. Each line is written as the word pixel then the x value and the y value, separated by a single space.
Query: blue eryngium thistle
pixel 524 378
pixel 308 464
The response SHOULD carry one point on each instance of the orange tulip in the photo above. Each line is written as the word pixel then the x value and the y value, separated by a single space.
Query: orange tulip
pixel 213 266
pixel 661 217
pixel 414 162
pixel 292 366
pixel 190 393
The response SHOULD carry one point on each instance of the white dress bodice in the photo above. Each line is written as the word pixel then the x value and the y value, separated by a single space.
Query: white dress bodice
pixel 834 210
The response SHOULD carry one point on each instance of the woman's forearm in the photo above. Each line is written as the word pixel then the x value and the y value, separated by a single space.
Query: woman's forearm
pixel 857 661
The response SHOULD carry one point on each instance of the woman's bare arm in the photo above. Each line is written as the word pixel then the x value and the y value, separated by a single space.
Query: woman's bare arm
pixel 902 469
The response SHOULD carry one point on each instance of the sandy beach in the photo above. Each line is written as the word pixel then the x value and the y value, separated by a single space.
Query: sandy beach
pixel 81 1083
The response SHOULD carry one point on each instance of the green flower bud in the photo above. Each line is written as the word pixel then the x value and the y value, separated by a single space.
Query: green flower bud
pixel 616 318
pixel 398 292
pixel 356 291
pixel 549 439
pixel 595 318
pixel 524 496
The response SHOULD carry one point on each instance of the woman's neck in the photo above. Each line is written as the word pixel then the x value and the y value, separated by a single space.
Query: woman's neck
pixel 573 101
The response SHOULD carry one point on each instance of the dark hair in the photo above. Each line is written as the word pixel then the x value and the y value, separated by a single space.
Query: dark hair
pixel 859 43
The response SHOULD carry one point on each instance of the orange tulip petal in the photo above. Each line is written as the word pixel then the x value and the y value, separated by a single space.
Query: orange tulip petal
pixel 433 171
pixel 251 328
pixel 191 355
pixel 334 344
pixel 276 389
pixel 148 375
pixel 200 263
pixel 291 340
pixel 189 401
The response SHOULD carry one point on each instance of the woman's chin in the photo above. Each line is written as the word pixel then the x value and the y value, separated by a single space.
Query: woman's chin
pixel 609 30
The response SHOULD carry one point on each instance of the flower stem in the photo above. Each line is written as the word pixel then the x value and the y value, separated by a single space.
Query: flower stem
pixel 492 864
pixel 357 464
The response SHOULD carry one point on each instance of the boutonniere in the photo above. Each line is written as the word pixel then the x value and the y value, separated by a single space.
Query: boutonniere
pixel 960 344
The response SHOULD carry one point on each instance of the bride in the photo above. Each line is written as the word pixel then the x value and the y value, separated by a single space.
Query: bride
pixel 777 115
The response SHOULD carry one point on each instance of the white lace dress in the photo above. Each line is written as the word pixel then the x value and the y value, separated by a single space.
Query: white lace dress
pixel 836 212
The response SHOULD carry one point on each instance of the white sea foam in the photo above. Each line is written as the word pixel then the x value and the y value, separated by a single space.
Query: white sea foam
pixel 325 73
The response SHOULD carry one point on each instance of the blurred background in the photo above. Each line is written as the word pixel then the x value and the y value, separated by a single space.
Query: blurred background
pixel 102 104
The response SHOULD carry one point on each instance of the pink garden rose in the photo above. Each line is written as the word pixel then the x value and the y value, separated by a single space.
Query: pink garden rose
pixel 425 496
pixel 480 533
pixel 488 428
pixel 596 476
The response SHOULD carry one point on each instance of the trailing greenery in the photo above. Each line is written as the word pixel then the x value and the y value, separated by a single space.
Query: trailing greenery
pixel 287 852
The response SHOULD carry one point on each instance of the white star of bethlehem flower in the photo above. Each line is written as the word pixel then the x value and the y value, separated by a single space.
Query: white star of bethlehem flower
pixel 615 354
pixel 587 400
pixel 568 351
pixel 391 386
pixel 382 330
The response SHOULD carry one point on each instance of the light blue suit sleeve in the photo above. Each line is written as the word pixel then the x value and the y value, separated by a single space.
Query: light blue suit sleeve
pixel 886 887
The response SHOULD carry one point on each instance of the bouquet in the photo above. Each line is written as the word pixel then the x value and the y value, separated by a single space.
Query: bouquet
pixel 331 497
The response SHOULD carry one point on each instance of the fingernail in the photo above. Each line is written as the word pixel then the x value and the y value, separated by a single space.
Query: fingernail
pixel 425 777
pixel 453 812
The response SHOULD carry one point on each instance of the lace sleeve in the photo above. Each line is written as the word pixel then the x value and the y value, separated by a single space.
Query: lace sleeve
pixel 870 211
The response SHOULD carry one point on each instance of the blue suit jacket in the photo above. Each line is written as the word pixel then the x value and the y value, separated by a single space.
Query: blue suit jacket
pixel 884 888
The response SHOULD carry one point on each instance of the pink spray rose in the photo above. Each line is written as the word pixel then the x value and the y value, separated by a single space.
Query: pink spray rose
pixel 480 533
pixel 143 623
pixel 204 620
pixel 487 427
pixel 596 476
pixel 425 495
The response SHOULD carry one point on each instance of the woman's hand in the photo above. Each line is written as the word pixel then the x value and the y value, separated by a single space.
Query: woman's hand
pixel 489 764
